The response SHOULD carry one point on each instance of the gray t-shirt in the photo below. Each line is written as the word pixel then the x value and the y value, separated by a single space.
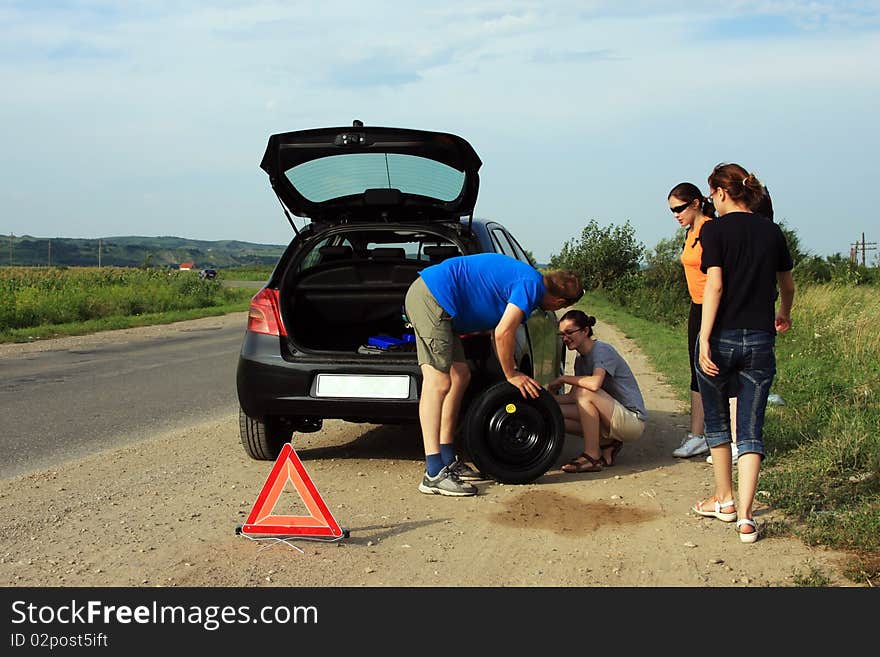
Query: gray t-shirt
pixel 619 380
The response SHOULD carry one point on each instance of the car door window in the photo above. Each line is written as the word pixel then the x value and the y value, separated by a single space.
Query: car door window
pixel 502 243
pixel 520 252
pixel 507 244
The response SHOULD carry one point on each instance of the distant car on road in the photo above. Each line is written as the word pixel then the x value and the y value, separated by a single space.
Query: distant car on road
pixel 208 273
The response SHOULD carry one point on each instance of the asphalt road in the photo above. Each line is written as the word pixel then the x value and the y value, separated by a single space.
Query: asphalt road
pixel 63 404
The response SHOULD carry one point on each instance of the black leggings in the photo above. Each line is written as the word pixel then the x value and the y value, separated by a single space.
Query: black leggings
pixel 695 317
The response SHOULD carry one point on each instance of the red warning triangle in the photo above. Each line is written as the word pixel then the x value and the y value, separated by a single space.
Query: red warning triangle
pixel 288 467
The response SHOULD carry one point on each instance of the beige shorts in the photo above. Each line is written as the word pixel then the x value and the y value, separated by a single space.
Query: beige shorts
pixel 437 344
pixel 625 424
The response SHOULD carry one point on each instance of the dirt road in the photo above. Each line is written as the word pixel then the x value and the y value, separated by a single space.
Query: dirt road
pixel 163 513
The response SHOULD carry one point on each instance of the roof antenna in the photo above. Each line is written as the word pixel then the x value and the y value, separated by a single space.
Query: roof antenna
pixel 357 123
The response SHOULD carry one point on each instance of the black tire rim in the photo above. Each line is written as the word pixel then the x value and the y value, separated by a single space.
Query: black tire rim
pixel 516 434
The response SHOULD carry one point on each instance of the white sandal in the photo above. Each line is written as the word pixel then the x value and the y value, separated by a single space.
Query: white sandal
pixel 716 512
pixel 750 537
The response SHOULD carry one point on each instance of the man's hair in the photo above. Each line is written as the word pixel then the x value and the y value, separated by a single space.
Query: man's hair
pixel 564 284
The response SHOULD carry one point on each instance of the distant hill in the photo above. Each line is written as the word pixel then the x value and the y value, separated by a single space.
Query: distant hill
pixel 131 251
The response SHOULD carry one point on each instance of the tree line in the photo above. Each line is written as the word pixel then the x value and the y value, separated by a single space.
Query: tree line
pixel 650 283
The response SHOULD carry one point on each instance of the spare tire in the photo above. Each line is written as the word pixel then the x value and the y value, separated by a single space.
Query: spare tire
pixel 512 439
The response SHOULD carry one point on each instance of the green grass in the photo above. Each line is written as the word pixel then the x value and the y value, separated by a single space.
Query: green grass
pixel 825 458
pixel 122 321
pixel 823 445
pixel 812 578
pixel 38 302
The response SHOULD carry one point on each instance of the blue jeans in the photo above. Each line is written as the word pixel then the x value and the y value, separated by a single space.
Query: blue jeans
pixel 746 363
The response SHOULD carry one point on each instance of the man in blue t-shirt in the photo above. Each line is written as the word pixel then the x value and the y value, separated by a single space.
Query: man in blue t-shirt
pixel 487 291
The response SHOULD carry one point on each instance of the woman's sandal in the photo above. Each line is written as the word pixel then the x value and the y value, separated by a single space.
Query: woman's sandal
pixel 615 447
pixel 716 509
pixel 589 465
pixel 749 537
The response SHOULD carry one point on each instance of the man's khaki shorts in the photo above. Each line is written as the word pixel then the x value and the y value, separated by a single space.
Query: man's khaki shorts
pixel 625 424
pixel 437 344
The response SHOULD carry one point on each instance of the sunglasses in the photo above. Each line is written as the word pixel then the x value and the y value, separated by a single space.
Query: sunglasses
pixel 680 208
pixel 568 334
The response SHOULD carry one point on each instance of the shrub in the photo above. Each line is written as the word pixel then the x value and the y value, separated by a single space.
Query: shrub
pixel 601 256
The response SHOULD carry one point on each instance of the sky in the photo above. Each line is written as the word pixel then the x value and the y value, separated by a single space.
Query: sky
pixel 151 117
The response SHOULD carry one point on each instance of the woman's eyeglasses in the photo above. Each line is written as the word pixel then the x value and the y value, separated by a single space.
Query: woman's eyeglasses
pixel 680 208
pixel 568 334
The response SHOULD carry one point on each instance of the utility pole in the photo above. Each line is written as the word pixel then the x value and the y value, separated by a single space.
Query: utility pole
pixel 50 253
pixel 99 252
pixel 863 246
pixel 11 248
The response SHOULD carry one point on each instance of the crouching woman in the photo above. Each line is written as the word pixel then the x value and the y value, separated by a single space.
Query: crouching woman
pixel 604 403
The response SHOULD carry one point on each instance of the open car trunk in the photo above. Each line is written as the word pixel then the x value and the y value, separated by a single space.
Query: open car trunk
pixel 339 306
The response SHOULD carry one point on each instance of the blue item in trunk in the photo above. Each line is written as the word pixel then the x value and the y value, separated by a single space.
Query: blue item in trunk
pixel 383 341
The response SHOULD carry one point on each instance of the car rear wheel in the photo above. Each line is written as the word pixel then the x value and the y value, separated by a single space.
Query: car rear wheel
pixel 511 439
pixel 263 440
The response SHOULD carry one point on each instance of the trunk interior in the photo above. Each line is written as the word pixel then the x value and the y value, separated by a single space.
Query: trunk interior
pixel 338 306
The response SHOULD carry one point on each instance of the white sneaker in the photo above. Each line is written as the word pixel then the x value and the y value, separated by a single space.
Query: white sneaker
pixel 733 452
pixel 692 445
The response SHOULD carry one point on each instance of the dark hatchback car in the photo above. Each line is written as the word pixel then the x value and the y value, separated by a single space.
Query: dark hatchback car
pixel 327 336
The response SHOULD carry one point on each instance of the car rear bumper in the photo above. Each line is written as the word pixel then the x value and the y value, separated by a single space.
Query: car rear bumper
pixel 269 385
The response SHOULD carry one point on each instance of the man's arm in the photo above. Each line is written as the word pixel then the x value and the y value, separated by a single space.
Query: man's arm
pixel 505 348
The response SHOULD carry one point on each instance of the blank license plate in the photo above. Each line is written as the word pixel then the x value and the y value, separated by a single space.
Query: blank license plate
pixel 363 386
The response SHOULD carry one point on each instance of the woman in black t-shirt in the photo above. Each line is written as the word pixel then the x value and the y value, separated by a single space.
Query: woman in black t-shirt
pixel 745 257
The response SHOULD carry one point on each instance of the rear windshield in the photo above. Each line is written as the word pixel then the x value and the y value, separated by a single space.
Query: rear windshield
pixel 343 175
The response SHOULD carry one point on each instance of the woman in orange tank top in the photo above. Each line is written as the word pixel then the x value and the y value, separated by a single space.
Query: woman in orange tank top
pixel 692 210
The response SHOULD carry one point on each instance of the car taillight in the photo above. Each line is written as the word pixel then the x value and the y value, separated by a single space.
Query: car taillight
pixel 263 315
